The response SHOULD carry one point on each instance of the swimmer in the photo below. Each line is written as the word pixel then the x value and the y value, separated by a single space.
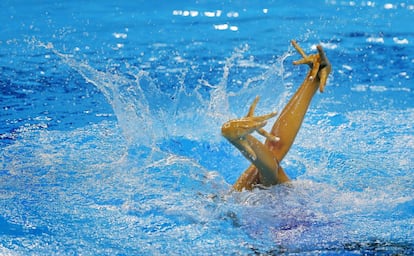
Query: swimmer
pixel 265 158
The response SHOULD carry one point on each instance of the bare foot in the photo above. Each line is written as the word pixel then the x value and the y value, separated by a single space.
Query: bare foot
pixel 319 64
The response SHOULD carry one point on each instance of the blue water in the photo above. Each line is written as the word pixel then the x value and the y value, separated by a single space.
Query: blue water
pixel 111 114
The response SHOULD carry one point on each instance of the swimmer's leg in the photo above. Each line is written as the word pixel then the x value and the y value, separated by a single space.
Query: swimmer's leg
pixel 290 120
pixel 248 179
pixel 238 132
pixel 251 177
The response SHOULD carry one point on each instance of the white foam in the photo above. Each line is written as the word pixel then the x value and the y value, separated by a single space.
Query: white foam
pixel 379 40
pixel 400 41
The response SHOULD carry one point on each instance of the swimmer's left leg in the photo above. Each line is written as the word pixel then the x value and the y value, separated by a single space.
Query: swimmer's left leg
pixel 238 132
pixel 248 179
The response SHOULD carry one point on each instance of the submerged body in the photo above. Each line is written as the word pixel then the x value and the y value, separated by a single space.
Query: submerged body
pixel 265 158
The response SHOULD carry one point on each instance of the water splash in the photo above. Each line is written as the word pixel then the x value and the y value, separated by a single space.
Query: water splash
pixel 125 95
pixel 218 110
pixel 144 121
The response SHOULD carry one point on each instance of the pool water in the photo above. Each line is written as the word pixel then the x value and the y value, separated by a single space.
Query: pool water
pixel 111 114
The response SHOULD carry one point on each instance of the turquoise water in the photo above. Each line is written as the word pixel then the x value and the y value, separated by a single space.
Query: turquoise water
pixel 111 114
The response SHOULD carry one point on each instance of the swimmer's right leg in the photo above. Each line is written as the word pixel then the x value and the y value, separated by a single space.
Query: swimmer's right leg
pixel 290 120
